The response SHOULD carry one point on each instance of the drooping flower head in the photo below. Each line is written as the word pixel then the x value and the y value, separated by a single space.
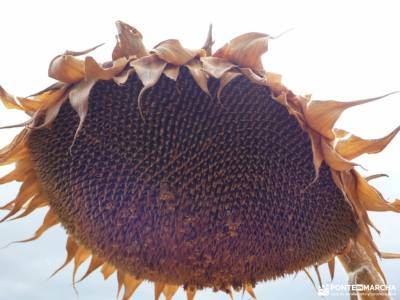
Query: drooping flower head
pixel 192 168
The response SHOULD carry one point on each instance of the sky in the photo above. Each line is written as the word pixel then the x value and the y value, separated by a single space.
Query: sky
pixel 343 50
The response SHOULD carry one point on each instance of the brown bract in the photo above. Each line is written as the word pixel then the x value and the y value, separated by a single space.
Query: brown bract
pixel 239 57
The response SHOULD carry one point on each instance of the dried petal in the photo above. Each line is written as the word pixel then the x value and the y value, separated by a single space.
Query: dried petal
pixel 71 248
pixel 8 100
pixel 158 288
pixel 371 198
pixel 253 77
pixel 331 266
pixel 190 293
pixel 79 99
pixel 50 220
pixel 107 270
pixel 322 115
pixel 149 70
pixel 81 255
pixel 207 47
pixel 129 42
pixel 225 79
pixel 172 72
pixel 95 263
pixel 250 291
pixel 173 52
pixel 67 68
pixel 169 291
pixel 94 71
pixel 215 66
pixel 130 286
pixel 199 76
pixel 355 146
pixel 123 77
pixel 246 51
pixel 333 158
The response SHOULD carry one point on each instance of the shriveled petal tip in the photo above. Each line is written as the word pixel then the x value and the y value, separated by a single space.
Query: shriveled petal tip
pixel 190 293
pixel 173 52
pixel 8 100
pixel 130 285
pixel 215 66
pixel 129 42
pixel 250 291
pixel 199 75
pixel 209 42
pixel 67 68
pixel 246 50
pixel 94 71
pixel 322 115
pixel 79 99
pixel 169 291
pixel 371 198
pixel 333 158
pixel 158 288
pixel 354 146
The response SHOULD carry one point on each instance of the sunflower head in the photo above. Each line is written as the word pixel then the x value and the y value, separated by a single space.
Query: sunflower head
pixel 192 168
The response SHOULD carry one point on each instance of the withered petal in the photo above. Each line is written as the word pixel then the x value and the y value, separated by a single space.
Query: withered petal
pixel 173 52
pixel 246 51
pixel 129 42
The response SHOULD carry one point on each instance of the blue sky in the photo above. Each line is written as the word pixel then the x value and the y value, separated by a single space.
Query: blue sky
pixel 337 50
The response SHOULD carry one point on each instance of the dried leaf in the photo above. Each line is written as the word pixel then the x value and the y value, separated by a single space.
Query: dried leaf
pixel 215 66
pixel 172 52
pixel 199 76
pixel 355 146
pixel 94 71
pixel 246 51
pixel 129 42
pixel 322 115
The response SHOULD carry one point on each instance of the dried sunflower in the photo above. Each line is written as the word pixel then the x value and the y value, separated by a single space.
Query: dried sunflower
pixel 192 168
